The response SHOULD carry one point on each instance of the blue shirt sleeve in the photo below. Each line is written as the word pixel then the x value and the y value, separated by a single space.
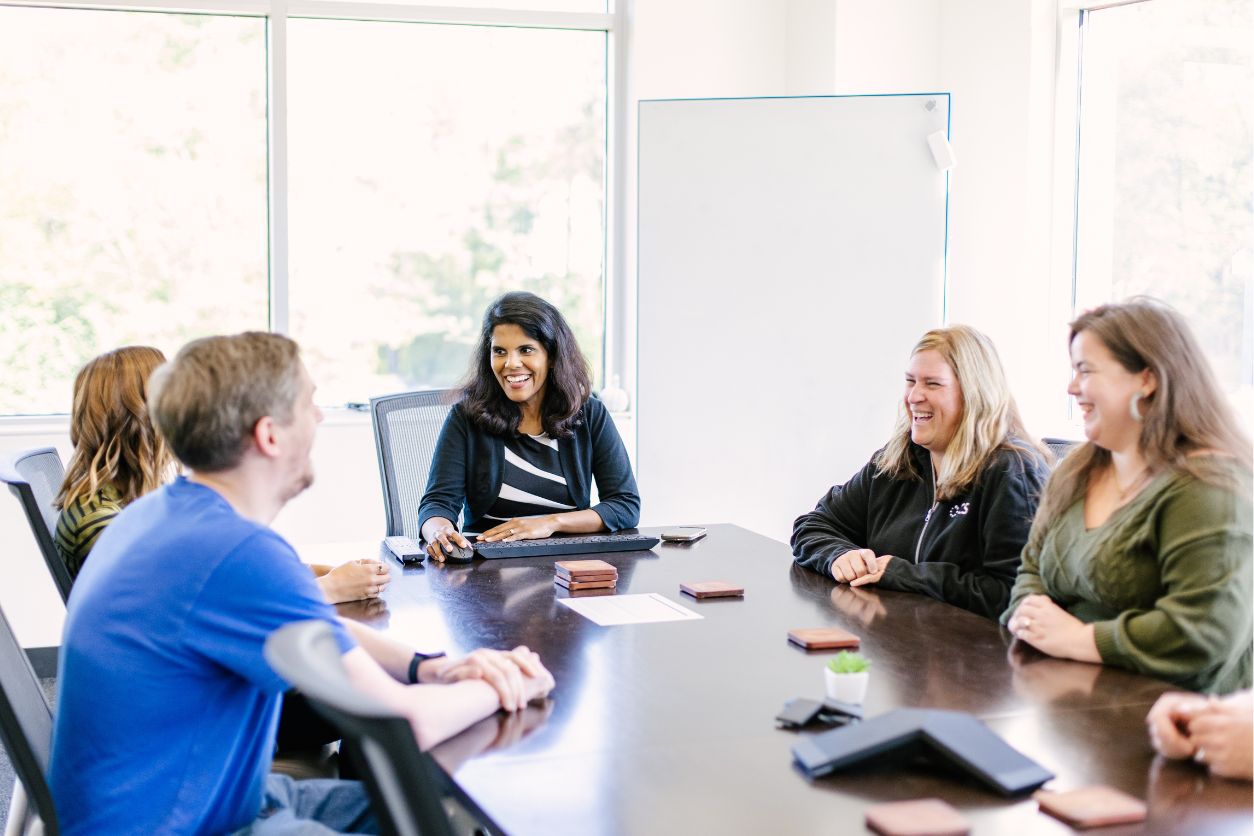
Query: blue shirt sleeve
pixel 256 589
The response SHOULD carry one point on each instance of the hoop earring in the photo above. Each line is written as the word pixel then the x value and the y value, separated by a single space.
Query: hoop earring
pixel 1134 407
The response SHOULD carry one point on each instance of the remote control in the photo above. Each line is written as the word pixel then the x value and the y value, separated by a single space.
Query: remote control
pixel 404 549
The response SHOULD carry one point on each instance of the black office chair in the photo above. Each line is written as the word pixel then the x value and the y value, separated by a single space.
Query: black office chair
pixel 406 428
pixel 34 477
pixel 1059 447
pixel 402 781
pixel 26 731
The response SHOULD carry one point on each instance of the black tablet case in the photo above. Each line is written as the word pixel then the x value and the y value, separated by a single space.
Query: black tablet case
pixel 954 735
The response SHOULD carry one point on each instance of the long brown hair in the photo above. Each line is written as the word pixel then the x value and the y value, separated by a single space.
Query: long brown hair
pixel 990 417
pixel 1186 414
pixel 114 440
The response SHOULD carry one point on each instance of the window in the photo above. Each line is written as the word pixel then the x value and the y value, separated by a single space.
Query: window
pixel 424 168
pixel 1165 201
pixel 433 168
pixel 132 188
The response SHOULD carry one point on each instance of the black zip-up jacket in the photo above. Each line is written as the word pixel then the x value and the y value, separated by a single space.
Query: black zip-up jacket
pixel 964 551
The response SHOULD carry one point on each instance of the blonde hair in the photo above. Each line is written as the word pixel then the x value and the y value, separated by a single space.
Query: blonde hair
pixel 208 399
pixel 114 439
pixel 989 420
pixel 1186 414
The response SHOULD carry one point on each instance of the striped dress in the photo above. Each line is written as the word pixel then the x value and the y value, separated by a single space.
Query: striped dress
pixel 81 523
pixel 533 485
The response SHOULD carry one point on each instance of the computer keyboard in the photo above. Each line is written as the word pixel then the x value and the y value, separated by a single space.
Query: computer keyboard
pixel 587 544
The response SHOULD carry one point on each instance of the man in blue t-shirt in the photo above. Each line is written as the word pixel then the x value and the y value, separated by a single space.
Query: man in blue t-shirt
pixel 167 709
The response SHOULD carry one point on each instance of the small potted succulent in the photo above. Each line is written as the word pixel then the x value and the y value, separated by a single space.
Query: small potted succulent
pixel 846 677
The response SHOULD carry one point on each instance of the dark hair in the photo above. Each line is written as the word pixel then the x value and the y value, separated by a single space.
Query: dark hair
pixel 569 382
pixel 208 399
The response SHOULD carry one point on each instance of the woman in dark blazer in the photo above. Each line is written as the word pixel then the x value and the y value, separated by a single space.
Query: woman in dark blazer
pixel 519 452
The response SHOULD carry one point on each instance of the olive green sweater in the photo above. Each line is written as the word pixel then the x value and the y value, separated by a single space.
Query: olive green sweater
pixel 1165 581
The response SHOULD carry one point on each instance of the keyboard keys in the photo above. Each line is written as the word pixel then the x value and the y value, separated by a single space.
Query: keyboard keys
pixel 583 544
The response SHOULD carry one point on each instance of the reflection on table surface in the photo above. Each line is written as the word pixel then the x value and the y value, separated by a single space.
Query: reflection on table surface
pixel 669 727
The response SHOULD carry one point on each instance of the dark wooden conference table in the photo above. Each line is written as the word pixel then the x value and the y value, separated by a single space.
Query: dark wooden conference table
pixel 669 727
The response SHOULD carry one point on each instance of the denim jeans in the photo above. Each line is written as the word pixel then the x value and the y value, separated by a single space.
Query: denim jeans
pixel 312 808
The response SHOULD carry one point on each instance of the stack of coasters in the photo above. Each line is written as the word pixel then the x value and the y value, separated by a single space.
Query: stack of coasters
pixel 585 574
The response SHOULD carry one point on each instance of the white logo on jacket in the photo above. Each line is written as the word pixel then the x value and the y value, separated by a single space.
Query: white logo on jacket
pixel 959 510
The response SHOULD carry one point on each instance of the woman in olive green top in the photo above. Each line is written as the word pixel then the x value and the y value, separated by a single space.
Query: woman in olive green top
pixel 118 456
pixel 1140 555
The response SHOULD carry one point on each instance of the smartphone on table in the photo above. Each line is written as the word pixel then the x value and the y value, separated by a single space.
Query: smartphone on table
pixel 683 534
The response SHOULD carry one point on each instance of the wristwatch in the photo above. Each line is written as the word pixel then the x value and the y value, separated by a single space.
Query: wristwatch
pixel 418 659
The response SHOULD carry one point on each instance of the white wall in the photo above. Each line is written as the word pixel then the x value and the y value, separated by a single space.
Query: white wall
pixel 810 48
pixel 996 59
pixel 887 46
pixel 695 48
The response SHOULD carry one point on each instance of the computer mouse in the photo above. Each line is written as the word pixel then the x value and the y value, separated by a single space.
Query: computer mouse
pixel 454 553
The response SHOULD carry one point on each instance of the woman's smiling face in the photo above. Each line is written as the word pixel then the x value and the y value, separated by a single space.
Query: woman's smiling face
pixel 934 400
pixel 1103 389
pixel 520 364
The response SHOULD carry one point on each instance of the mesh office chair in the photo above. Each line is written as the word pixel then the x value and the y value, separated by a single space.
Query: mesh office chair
pixel 406 428
pixel 26 731
pixel 34 477
pixel 402 781
pixel 1059 447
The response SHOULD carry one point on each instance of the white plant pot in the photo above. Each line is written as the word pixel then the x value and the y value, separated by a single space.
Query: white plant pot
pixel 846 687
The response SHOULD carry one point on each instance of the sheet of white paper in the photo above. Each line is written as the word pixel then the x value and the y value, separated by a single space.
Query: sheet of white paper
pixel 629 609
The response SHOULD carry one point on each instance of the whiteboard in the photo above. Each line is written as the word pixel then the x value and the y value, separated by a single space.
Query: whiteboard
pixel 791 253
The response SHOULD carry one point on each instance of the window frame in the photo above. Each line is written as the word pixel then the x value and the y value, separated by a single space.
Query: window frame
pixel 613 23
pixel 1064 221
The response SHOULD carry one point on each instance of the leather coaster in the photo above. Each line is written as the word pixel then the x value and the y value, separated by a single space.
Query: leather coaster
pixel 712 589
pixel 577 568
pixel 1095 806
pixel 576 585
pixel 921 817
pixel 823 638
pixel 590 593
pixel 600 577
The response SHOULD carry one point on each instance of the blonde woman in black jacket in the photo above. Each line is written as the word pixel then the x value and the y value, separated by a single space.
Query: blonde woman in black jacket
pixel 945 507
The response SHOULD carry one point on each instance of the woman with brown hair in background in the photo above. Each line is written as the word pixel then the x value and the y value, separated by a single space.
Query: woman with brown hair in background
pixel 118 455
